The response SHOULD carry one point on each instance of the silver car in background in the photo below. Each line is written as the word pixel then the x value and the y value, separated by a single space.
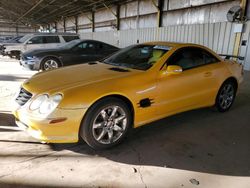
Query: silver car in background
pixel 37 41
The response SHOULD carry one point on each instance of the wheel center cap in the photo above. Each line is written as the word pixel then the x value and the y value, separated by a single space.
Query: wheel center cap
pixel 110 124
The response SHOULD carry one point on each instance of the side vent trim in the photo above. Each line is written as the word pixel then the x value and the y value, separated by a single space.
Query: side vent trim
pixel 144 103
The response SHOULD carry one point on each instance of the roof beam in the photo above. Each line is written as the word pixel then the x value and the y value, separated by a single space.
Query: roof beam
pixel 110 9
pixel 51 13
pixel 32 8
pixel 75 10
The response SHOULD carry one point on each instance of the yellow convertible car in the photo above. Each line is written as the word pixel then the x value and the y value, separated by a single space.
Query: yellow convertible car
pixel 100 101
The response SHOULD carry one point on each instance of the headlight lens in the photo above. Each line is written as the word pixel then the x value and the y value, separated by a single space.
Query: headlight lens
pixel 50 104
pixel 36 103
pixel 46 104
pixel 31 57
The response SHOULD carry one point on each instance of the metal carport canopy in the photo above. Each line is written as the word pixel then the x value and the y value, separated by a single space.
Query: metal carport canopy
pixel 36 12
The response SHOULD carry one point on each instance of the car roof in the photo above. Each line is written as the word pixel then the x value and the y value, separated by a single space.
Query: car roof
pixel 68 34
pixel 90 40
pixel 172 44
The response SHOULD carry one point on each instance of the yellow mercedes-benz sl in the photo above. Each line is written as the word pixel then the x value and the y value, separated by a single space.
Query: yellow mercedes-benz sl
pixel 100 101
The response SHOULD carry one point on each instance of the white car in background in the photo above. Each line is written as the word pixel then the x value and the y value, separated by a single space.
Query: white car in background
pixel 38 41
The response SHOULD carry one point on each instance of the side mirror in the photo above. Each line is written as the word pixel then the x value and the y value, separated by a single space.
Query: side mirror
pixel 172 70
pixel 29 42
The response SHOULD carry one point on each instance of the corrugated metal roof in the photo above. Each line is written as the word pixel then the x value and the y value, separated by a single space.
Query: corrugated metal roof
pixel 46 11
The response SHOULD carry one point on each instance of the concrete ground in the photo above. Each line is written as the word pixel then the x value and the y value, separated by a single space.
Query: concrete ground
pixel 201 148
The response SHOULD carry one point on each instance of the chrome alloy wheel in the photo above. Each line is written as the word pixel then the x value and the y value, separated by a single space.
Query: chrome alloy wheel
pixel 50 64
pixel 226 96
pixel 109 125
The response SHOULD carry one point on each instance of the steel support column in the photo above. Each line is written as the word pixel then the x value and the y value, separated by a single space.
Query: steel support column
pixel 159 6
pixel 64 25
pixel 238 36
pixel 76 23
pixel 117 14
pixel 93 21
pixel 118 17
pixel 55 27
pixel 17 32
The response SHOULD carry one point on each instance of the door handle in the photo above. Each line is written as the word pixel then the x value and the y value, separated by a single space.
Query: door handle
pixel 207 74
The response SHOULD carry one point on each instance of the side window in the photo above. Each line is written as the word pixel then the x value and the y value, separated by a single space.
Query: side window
pixel 209 58
pixel 86 46
pixel 107 47
pixel 52 39
pixel 188 58
pixel 91 46
pixel 82 45
pixel 103 46
pixel 100 46
pixel 36 40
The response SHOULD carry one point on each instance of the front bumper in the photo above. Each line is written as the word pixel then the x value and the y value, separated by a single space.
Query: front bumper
pixel 42 129
pixel 30 64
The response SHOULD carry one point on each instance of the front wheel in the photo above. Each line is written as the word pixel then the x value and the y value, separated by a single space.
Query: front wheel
pixel 226 96
pixel 50 63
pixel 15 54
pixel 106 123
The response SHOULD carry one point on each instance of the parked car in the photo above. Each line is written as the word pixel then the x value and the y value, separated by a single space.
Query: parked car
pixel 37 41
pixel 74 52
pixel 13 40
pixel 10 41
pixel 99 102
pixel 5 38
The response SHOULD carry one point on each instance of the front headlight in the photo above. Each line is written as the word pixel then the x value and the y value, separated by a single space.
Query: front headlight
pixel 36 103
pixel 45 104
pixel 31 57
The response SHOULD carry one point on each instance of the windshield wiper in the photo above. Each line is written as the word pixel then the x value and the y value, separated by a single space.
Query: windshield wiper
pixel 121 65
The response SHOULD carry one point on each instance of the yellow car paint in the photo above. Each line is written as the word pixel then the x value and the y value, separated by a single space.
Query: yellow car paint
pixel 83 85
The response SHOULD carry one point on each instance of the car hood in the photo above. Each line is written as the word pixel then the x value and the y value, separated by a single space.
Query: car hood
pixel 77 75
pixel 9 42
pixel 13 44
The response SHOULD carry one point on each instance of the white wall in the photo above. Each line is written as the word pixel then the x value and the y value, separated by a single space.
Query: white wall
pixel 7 28
pixel 219 37
pixel 245 50
pixel 197 21
pixel 143 14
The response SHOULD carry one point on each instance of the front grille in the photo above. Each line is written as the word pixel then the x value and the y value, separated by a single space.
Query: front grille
pixel 23 97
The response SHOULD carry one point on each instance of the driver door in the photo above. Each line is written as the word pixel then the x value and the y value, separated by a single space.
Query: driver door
pixel 192 88
pixel 36 42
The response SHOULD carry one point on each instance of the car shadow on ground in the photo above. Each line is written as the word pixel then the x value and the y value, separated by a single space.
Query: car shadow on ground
pixel 7 122
pixel 13 78
pixel 202 140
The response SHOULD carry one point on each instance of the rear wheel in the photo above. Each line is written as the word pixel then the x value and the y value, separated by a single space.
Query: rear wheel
pixel 226 96
pixel 50 63
pixel 106 123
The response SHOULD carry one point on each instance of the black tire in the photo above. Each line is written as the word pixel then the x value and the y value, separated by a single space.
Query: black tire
pixel 227 97
pixel 87 131
pixel 15 54
pixel 55 61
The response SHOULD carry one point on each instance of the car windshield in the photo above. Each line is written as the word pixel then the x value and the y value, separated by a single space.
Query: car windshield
pixel 70 44
pixel 24 38
pixel 140 57
pixel 17 39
